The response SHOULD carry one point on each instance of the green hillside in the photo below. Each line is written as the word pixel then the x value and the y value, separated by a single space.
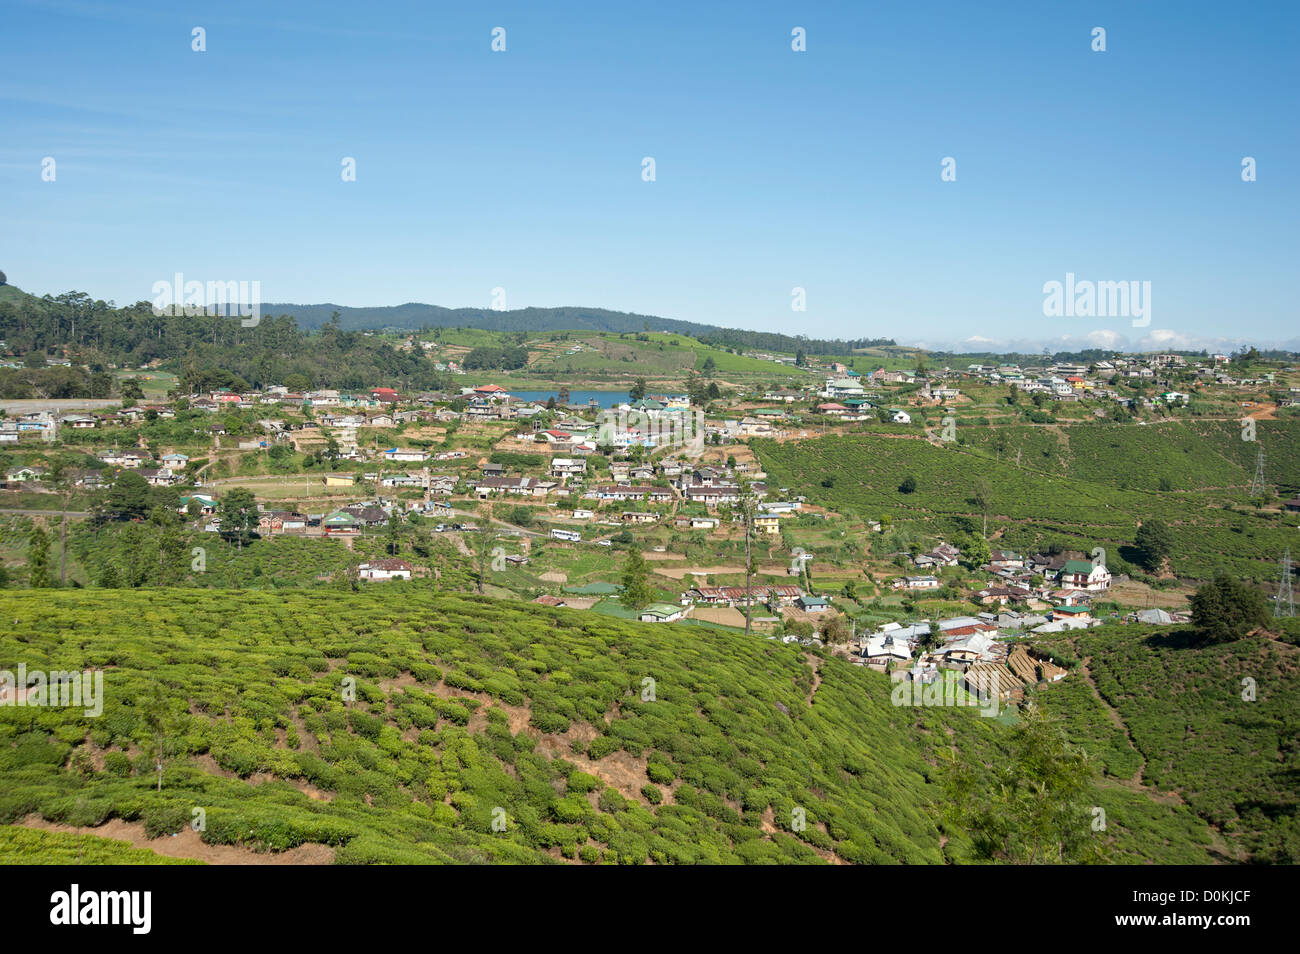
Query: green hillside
pixel 1179 719
pixel 1082 487
pixel 12 293
pixel 592 739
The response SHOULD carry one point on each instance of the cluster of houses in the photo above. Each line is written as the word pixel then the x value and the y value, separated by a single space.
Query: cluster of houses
pixel 847 395
pixel 1063 584
pixel 980 649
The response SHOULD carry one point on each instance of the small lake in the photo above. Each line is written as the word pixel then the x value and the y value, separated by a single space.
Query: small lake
pixel 603 398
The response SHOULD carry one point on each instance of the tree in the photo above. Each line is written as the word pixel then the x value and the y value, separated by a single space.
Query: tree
pixel 162 726
pixel 1036 808
pixel 131 391
pixel 1227 609
pixel 128 498
pixel 709 366
pixel 238 513
pixel 907 486
pixel 637 391
pixel 974 551
pixel 637 593
pixel 1154 541
pixel 61 478
pixel 483 549
pixel 747 505
pixel 984 500
pixel 834 629
pixel 38 558
pixel 393 532
pixel 696 389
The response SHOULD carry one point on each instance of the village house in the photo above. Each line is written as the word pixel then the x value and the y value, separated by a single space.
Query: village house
pixel 160 477
pixel 339 522
pixel 917 583
pixel 485 487
pixel 945 554
pixel 567 466
pixel 1006 559
pixel 405 455
pixel 661 613
pixel 205 504
pixel 712 496
pixel 639 516
pixel 813 604
pixel 442 485
pixel 1083 574
pixel 24 474
pixel 281 521
pixel 633 492
pixel 385 570
pixel 402 481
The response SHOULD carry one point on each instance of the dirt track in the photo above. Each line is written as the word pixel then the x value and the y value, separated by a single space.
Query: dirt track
pixel 188 844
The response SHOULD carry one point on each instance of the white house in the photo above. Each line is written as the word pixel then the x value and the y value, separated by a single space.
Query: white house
pixel 385 570
pixel 405 455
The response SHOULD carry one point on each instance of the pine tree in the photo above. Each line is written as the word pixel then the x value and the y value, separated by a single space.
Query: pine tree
pixel 38 558
pixel 637 593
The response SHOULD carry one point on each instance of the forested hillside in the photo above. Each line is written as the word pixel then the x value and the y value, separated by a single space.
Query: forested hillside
pixel 209 351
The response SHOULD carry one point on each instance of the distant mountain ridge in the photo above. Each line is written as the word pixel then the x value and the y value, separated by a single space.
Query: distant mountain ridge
pixel 415 315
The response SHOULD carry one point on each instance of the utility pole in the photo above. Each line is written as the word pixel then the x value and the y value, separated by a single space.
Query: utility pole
pixel 1284 594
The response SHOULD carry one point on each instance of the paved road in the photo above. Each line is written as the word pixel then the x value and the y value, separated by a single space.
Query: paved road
pixel 46 513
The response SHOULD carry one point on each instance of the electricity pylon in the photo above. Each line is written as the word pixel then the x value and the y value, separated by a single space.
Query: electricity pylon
pixel 1285 598
pixel 1257 484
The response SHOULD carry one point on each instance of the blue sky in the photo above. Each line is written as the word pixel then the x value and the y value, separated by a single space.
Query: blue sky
pixel 774 168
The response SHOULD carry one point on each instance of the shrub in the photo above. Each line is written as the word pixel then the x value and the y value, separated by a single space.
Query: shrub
pixel 117 763
pixel 602 746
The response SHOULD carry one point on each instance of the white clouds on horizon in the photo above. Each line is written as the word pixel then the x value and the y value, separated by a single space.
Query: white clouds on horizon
pixel 1157 339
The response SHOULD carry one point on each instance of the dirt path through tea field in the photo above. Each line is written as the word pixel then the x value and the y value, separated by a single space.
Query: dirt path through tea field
pixel 187 844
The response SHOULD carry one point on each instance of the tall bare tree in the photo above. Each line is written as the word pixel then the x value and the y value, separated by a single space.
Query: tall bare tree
pixel 746 505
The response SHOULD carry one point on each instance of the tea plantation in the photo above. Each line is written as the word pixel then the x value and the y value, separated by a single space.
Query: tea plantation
pixel 1081 486
pixel 487 731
